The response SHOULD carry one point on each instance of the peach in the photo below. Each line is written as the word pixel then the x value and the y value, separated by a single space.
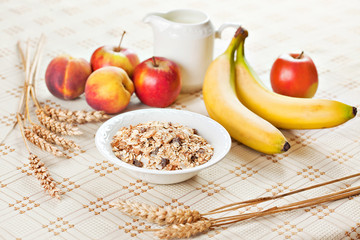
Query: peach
pixel 66 76
pixel 109 89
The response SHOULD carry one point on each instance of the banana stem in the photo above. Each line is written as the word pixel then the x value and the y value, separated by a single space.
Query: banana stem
pixel 240 54
pixel 239 36
pixel 241 60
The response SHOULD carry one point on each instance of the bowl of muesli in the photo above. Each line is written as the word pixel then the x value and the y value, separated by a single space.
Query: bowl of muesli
pixel 162 146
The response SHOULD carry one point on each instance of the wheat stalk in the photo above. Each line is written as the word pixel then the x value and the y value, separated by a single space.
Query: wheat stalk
pixel 29 90
pixel 292 206
pixel 43 175
pixel 41 143
pixel 154 214
pixel 237 205
pixel 184 230
pixel 51 137
pixel 37 166
pixel 80 117
pixel 26 65
pixel 190 229
pixel 55 126
pixel 199 224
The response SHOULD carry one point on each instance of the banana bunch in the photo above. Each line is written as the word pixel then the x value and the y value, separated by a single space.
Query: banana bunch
pixel 235 97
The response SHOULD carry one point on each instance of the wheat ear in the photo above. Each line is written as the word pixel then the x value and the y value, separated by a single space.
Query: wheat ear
pixel 41 143
pixel 55 126
pixel 159 215
pixel 80 117
pixel 37 166
pixel 43 175
pixel 51 137
pixel 184 230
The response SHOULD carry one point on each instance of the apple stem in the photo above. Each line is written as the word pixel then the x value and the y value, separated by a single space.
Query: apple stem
pixel 118 48
pixel 154 62
pixel 300 56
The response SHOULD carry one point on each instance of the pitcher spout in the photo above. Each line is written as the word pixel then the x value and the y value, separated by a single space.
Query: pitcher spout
pixel 157 21
pixel 153 18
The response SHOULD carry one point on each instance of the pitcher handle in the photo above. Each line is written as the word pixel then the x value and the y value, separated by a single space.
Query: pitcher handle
pixel 225 25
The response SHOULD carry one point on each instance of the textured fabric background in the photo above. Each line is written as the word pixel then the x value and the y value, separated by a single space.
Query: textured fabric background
pixel 328 30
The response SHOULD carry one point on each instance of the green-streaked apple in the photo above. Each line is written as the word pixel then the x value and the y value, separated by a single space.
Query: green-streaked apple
pixel 294 75
pixel 116 56
pixel 157 81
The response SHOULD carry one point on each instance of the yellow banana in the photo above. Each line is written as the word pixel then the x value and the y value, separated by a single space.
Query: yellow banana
pixel 282 111
pixel 224 107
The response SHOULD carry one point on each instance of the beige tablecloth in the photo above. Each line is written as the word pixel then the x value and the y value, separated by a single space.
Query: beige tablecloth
pixel 328 30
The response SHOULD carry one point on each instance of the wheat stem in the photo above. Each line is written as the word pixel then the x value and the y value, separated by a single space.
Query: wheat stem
pixel 35 61
pixel 33 96
pixel 27 75
pixel 27 111
pixel 21 126
pixel 292 206
pixel 22 98
pixel 35 70
pixel 235 206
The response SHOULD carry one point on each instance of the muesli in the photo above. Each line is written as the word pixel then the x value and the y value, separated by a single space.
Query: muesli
pixel 161 145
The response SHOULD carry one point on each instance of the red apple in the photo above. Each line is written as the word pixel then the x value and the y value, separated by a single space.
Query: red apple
pixel 294 75
pixel 116 56
pixel 157 81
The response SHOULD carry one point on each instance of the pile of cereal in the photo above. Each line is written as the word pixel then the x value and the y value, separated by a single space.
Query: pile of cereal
pixel 161 146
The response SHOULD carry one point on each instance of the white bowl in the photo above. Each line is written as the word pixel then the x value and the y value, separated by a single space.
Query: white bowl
pixel 209 129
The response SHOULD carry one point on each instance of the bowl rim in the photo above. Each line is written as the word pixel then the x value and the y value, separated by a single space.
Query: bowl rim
pixel 127 166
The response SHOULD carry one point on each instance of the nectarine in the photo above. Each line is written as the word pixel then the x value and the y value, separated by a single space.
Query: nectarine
pixel 66 76
pixel 109 89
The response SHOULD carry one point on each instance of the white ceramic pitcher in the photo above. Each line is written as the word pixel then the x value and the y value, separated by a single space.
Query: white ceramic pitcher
pixel 186 36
